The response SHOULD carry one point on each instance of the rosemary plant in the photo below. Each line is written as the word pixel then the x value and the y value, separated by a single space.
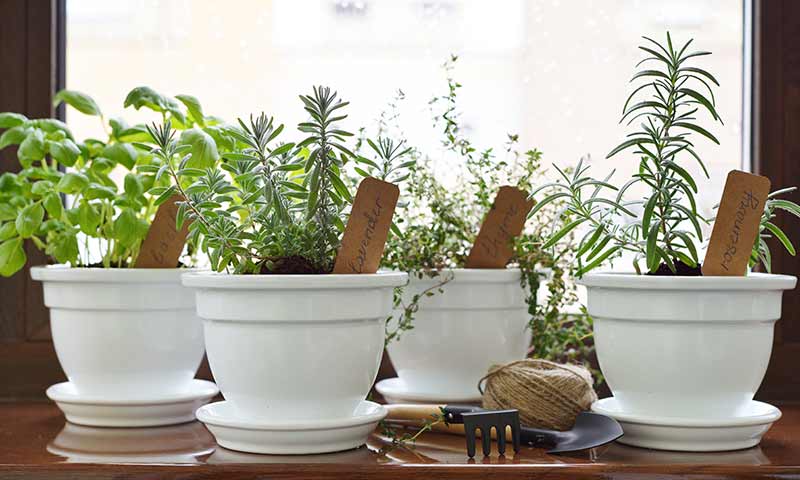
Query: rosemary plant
pixel 276 208
pixel 672 93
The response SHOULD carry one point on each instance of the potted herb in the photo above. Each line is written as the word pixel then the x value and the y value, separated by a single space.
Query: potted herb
pixel 452 323
pixel 122 334
pixel 671 342
pixel 294 347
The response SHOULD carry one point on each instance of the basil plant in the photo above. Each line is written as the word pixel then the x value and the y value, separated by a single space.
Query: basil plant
pixel 64 199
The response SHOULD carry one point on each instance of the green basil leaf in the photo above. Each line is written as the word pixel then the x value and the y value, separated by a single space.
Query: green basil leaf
pixel 95 191
pixel 14 136
pixel 145 97
pixel 52 203
pixel 32 148
pixel 7 212
pixel 11 119
pixel 194 108
pixel 29 219
pixel 121 153
pixel 8 230
pixel 65 152
pixel 51 125
pixel 77 100
pixel 72 183
pixel 64 248
pixel 133 185
pixel 88 218
pixel 135 134
pixel 12 257
pixel 126 228
pixel 204 149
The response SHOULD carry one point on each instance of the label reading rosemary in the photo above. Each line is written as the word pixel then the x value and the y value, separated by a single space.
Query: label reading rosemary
pixel 505 220
pixel 367 228
pixel 164 243
pixel 736 226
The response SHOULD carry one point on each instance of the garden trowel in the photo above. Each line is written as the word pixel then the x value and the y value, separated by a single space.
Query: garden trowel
pixel 590 429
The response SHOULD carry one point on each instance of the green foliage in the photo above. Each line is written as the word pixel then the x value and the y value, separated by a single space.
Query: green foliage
pixel 77 100
pixel 669 227
pixel 272 207
pixel 407 439
pixel 767 229
pixel 672 93
pixel 113 220
pixel 437 224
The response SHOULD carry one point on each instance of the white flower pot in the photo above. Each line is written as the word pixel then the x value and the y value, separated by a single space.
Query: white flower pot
pixel 294 347
pixel 684 346
pixel 120 332
pixel 480 319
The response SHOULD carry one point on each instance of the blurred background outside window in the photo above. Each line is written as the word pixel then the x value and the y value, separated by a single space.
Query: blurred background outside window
pixel 554 72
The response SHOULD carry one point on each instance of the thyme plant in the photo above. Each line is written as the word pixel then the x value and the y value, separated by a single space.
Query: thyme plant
pixel 272 208
pixel 437 225
pixel 99 215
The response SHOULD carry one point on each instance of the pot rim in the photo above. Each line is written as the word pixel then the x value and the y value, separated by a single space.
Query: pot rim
pixel 226 281
pixel 378 413
pixel 633 281
pixel 772 414
pixel 66 273
pixel 474 275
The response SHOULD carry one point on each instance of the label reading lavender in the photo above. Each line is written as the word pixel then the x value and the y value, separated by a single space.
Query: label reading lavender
pixel 367 228
pixel 736 226
pixel 163 244
pixel 492 248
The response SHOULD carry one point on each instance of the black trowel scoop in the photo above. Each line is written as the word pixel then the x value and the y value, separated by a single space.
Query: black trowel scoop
pixel 590 429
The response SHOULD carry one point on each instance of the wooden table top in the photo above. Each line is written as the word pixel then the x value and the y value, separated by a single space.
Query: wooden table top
pixel 36 442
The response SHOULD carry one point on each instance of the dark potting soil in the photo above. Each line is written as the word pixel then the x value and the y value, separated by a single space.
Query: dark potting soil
pixel 291 265
pixel 124 265
pixel 681 270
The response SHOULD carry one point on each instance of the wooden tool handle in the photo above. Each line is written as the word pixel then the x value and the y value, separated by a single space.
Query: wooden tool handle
pixel 413 412
pixel 452 428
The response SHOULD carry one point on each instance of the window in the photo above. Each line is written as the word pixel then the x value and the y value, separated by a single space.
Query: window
pixel 555 72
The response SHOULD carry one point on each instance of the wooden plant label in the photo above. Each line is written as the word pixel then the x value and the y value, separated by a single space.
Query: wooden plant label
pixel 366 231
pixel 492 248
pixel 163 244
pixel 736 226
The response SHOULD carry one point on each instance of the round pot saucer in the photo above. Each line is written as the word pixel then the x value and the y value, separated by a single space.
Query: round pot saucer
pixel 743 430
pixel 234 432
pixel 144 411
pixel 395 390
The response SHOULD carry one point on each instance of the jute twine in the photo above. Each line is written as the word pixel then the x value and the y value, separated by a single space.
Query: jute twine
pixel 547 394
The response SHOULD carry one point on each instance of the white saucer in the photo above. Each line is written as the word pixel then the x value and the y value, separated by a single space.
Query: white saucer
pixel 290 438
pixel 692 434
pixel 140 412
pixel 395 390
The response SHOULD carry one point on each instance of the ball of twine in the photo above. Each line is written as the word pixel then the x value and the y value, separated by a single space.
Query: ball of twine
pixel 547 394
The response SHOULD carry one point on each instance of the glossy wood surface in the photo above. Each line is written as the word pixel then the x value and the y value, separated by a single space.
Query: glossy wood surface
pixel 36 442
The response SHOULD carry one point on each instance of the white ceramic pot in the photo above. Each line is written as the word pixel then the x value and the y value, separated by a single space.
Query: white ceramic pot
pixel 480 319
pixel 294 347
pixel 684 346
pixel 122 332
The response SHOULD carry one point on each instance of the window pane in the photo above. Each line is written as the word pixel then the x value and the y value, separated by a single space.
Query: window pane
pixel 556 72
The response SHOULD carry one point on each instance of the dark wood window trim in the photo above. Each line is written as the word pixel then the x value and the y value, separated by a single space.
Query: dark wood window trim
pixel 776 154
pixel 32 55
pixel 28 60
